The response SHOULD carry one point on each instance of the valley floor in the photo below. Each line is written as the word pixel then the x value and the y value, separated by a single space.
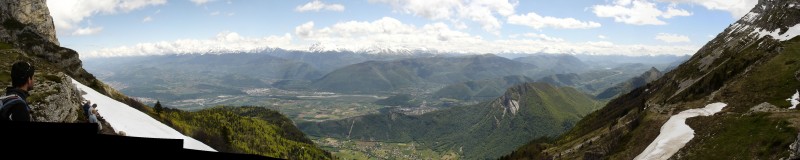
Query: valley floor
pixel 354 149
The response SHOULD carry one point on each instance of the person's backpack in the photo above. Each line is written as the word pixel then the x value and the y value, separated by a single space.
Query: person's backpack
pixel 6 102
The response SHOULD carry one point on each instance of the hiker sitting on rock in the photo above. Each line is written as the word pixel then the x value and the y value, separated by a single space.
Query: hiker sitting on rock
pixel 87 106
pixel 96 113
pixel 93 117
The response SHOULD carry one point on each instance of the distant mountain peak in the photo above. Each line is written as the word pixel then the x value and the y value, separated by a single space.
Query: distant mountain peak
pixel 775 18
pixel 320 47
pixel 653 69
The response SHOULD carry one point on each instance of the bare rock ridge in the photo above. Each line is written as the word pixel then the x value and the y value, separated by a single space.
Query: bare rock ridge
pixel 33 13
pixel 27 25
pixel 28 28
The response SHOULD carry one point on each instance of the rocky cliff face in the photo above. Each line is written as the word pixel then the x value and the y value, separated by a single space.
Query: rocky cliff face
pixel 33 13
pixel 59 101
pixel 53 99
pixel 27 25
pixel 28 34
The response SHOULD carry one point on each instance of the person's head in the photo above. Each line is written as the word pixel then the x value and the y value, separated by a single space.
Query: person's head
pixel 22 76
pixel 94 105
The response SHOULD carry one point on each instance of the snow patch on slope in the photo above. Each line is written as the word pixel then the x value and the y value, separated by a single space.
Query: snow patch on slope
pixel 133 122
pixel 794 100
pixel 793 31
pixel 675 133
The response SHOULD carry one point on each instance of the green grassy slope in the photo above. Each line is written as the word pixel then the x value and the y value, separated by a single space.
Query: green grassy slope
pixel 484 130
pixel 481 89
pixel 251 130
pixel 387 76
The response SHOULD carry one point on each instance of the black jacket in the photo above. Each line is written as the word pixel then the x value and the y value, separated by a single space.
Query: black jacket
pixel 19 111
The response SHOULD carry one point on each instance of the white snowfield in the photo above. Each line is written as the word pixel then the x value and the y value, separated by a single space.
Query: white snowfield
pixel 133 122
pixel 792 32
pixel 794 100
pixel 675 133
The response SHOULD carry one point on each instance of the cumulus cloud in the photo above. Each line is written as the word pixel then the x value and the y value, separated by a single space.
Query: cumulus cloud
pixel 224 42
pixel 68 14
pixel 538 22
pixel 482 12
pixel 637 12
pixel 304 30
pixel 672 12
pixel 317 5
pixel 388 32
pixel 602 36
pixel 392 34
pixel 737 8
pixel 672 38
pixel 87 31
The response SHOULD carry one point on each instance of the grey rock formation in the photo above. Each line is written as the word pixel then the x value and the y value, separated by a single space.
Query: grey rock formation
pixel 33 13
pixel 797 75
pixel 764 107
pixel 56 100
pixel 27 25
pixel 794 149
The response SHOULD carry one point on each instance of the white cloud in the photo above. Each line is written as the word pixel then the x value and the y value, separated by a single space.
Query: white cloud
pixel 537 36
pixel 436 10
pixel 482 12
pixel 87 31
pixel 637 12
pixel 390 33
pixel 231 14
pixel 224 42
pixel 317 5
pixel 215 13
pixel 602 36
pixel 130 5
pixel 201 2
pixel 68 14
pixel 672 12
pixel 538 22
pixel 737 8
pixel 304 30
pixel 672 38
pixel 147 19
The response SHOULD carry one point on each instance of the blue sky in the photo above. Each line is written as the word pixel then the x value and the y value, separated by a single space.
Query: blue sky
pixel 632 27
